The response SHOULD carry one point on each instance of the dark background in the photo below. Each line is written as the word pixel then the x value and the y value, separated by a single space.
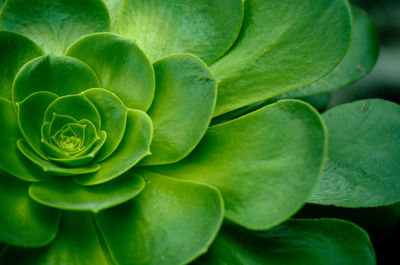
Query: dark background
pixel 382 82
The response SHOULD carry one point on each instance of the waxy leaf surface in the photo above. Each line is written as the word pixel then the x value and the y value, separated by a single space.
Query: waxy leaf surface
pixel 54 25
pixel 23 221
pixel 171 222
pixel 265 163
pixel 182 107
pixel 283 45
pixel 296 242
pixel 364 155
pixel 163 27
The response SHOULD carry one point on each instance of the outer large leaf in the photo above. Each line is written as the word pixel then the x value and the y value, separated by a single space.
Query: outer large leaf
pixel 54 24
pixel 31 116
pixel 16 50
pixel 359 60
pixel 182 108
pixel 76 243
pixel 162 27
pixel 23 221
pixel 134 146
pixel 58 74
pixel 297 242
pixel 283 45
pixel 364 155
pixel 12 161
pixel 63 193
pixel 170 222
pixel 121 66
pixel 265 163
pixel 113 116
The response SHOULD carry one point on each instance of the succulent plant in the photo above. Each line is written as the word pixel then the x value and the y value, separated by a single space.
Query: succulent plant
pixel 125 137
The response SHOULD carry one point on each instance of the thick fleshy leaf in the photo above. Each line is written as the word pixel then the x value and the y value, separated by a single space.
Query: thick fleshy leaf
pixel 54 24
pixel 265 163
pixel 58 74
pixel 16 50
pixel 127 71
pixel 12 161
pixel 31 116
pixel 63 193
pixel 296 242
pixel 24 222
pixel 52 167
pixel 114 8
pixel 76 106
pixel 134 146
pixel 182 108
pixel 170 222
pixel 358 61
pixel 364 155
pixel 113 116
pixel 164 27
pixel 77 243
pixel 283 45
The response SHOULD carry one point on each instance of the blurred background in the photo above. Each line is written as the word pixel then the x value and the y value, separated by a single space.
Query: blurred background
pixel 382 82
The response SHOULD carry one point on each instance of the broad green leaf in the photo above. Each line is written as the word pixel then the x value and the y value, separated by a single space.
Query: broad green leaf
pixel 134 146
pixel 77 243
pixel 296 242
pixel 170 222
pixel 16 50
pixel 63 193
pixel 120 65
pixel 182 108
pixel 283 45
pixel 113 116
pixel 30 118
pixel 76 106
pixel 200 27
pixel 24 222
pixel 83 158
pixel 265 163
pixel 358 61
pixel 54 24
pixel 12 161
pixel 53 168
pixel 58 74
pixel 363 169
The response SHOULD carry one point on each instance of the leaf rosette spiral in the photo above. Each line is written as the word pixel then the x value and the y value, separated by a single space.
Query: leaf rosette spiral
pixel 106 147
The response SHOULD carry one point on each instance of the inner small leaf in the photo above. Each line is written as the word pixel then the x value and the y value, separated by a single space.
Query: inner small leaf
pixel 70 138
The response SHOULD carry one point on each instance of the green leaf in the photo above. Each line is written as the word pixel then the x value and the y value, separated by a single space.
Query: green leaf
pixel 76 106
pixel 85 157
pixel 52 167
pixel 114 8
pixel 170 222
pixel 127 71
pixel 54 24
pixel 16 50
pixel 296 242
pixel 265 163
pixel 358 61
pixel 164 27
pixel 134 146
pixel 77 243
pixel 113 115
pixel 12 161
pixel 24 222
pixel 283 45
pixel 364 155
pixel 63 193
pixel 182 108
pixel 58 74
pixel 30 118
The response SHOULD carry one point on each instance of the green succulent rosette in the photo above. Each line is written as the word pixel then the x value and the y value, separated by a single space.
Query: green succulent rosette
pixel 107 155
